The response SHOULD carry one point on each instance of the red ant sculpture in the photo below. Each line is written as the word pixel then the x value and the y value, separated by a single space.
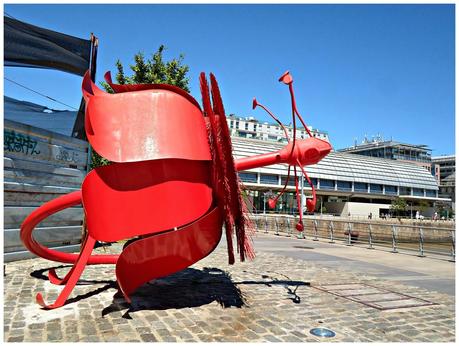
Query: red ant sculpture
pixel 173 183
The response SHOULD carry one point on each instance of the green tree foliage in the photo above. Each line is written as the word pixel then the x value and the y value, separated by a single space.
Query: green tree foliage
pixel 398 205
pixel 148 71
pixel 445 210
pixel 423 205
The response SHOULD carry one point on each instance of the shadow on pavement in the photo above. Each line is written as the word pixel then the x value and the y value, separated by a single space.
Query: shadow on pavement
pixel 40 274
pixel 193 288
pixel 185 289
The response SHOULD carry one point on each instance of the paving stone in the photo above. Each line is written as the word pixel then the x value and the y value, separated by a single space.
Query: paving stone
pixel 203 304
pixel 148 337
pixel 16 339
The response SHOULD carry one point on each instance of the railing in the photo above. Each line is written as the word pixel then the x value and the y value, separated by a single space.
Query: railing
pixel 413 238
pixel 288 213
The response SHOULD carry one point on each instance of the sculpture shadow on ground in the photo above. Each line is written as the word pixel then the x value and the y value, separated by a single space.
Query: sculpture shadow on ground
pixel 40 274
pixel 185 289
pixel 192 288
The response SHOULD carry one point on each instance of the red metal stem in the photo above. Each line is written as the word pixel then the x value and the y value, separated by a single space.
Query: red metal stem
pixel 292 94
pixel 276 119
pixel 307 178
pixel 285 185
pixel 298 195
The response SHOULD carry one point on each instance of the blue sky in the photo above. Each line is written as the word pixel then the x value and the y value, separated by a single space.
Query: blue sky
pixel 358 69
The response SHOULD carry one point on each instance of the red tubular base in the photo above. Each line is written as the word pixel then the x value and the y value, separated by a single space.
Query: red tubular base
pixel 46 210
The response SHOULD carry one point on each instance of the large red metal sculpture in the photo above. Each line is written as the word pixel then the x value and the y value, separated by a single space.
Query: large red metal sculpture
pixel 172 186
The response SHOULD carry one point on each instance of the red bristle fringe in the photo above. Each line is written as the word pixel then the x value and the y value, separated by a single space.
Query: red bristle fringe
pixel 219 177
pixel 235 202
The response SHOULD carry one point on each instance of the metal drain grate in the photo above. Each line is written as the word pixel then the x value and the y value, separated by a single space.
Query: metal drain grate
pixel 375 297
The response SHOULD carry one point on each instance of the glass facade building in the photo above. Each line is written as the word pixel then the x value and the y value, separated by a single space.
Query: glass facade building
pixel 348 176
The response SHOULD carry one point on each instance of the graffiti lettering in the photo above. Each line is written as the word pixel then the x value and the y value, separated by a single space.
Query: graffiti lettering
pixel 19 143
pixel 64 155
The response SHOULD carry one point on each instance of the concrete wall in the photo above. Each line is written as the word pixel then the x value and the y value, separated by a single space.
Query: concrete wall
pixel 361 210
pixel 356 209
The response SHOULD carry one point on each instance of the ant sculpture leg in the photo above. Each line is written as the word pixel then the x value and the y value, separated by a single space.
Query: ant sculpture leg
pixel 80 260
pixel 73 276
pixel 52 276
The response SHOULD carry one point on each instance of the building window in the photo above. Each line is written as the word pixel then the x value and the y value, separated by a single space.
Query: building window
pixel 376 188
pixel 314 182
pixel 237 124
pixel 326 184
pixel 431 193
pixel 360 187
pixel 418 192
pixel 344 185
pixel 291 181
pixel 405 191
pixel 248 177
pixel 246 126
pixel 269 179
pixel 390 190
pixel 231 123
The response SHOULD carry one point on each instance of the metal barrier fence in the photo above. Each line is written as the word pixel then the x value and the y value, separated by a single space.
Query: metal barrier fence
pixel 413 238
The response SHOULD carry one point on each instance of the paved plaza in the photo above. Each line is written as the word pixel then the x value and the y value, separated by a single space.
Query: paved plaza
pixel 286 291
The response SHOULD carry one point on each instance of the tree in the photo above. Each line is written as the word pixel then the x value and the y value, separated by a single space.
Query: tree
pixel 148 71
pixel 398 205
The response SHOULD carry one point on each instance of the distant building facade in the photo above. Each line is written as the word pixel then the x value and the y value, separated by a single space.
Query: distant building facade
pixel 250 127
pixel 346 184
pixel 447 165
pixel 447 171
pixel 420 155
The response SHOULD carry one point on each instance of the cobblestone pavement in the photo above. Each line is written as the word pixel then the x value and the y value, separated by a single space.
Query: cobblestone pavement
pixel 269 299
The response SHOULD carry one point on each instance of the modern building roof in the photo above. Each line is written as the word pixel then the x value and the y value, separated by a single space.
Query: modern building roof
pixel 443 158
pixel 450 179
pixel 382 144
pixel 345 167
pixel 39 116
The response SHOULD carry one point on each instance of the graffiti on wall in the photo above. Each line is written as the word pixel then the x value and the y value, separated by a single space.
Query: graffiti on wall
pixel 19 143
pixel 65 155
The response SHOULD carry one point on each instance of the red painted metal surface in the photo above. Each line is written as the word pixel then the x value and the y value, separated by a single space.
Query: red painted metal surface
pixel 168 252
pixel 122 88
pixel 137 198
pixel 308 151
pixel 144 125
pixel 173 186
pixel 71 279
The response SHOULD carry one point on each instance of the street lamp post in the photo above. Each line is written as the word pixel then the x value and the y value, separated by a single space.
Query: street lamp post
pixel 264 203
pixel 302 193
pixel 301 235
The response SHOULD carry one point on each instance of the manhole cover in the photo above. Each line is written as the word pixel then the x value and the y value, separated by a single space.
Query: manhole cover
pixel 322 332
pixel 375 297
